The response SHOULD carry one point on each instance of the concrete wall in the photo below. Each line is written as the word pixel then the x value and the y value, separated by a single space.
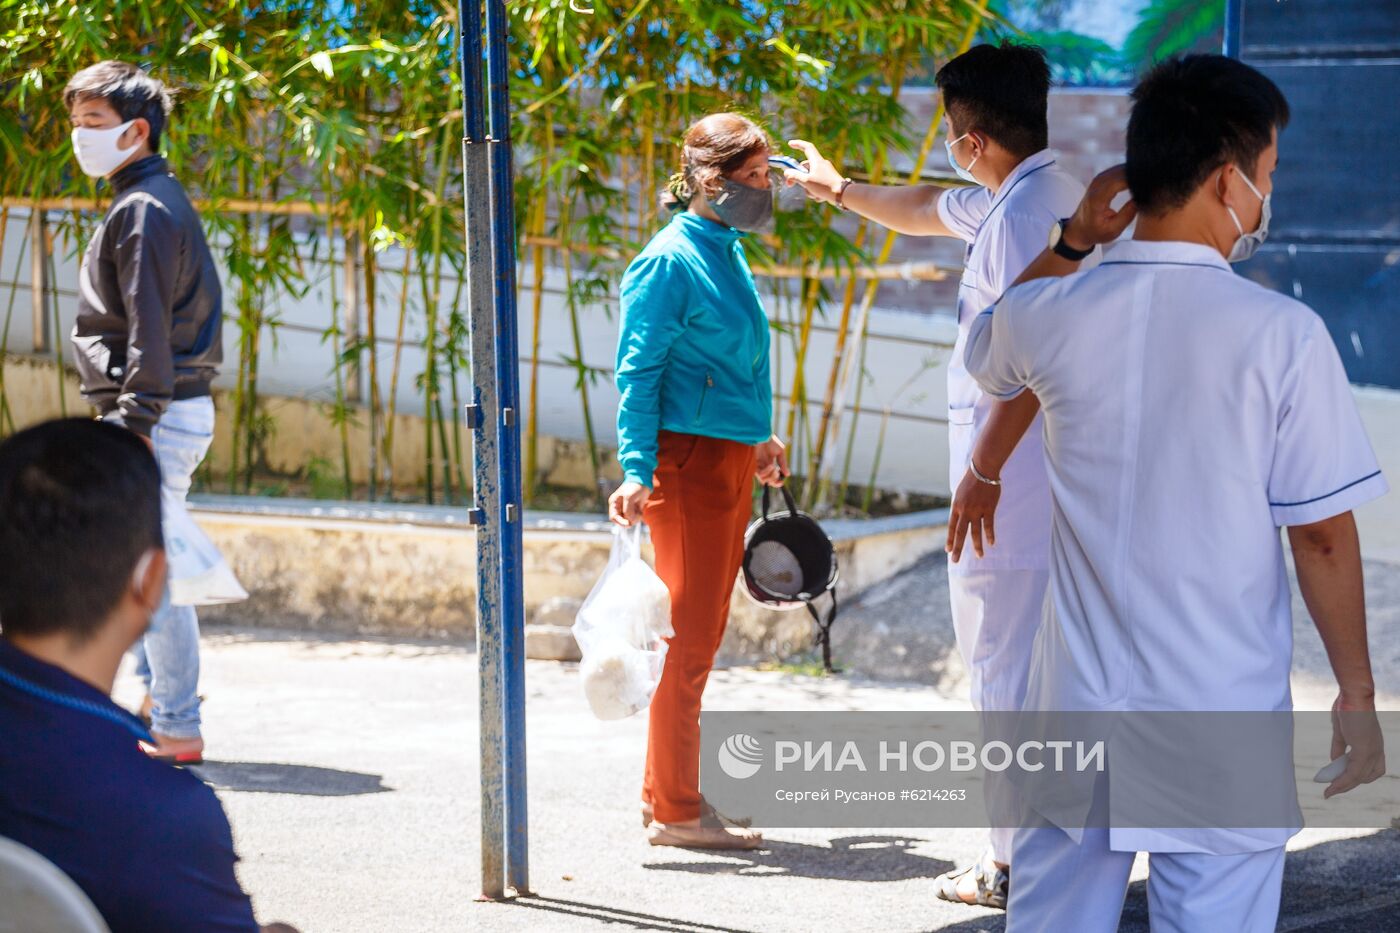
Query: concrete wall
pixel 411 570
pixel 904 361
pixel 31 389
pixel 302 431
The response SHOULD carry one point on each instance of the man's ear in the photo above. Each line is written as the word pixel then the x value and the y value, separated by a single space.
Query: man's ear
pixel 137 134
pixel 148 579
pixel 1222 183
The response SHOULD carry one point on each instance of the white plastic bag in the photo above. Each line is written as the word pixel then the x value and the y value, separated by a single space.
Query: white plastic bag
pixel 619 630
pixel 198 574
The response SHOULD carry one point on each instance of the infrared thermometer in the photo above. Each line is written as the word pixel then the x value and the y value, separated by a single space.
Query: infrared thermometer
pixel 782 161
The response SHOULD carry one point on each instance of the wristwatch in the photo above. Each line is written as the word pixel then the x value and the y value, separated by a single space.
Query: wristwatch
pixel 1060 248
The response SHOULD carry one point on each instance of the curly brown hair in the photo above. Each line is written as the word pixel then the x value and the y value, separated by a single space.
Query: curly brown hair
pixel 713 146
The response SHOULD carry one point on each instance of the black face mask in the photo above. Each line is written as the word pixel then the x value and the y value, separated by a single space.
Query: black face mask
pixel 744 208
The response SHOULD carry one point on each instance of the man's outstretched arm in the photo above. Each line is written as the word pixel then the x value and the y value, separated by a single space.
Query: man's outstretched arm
pixel 908 209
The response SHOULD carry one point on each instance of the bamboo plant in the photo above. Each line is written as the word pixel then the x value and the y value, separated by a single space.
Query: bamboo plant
pixel 354 109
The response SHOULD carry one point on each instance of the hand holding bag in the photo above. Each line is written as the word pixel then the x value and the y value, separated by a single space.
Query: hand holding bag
pixel 620 630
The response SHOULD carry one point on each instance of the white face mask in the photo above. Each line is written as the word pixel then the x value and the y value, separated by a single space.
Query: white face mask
pixel 1248 243
pixel 97 150
pixel 964 173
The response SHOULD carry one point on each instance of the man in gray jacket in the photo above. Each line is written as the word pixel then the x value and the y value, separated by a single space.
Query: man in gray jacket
pixel 148 340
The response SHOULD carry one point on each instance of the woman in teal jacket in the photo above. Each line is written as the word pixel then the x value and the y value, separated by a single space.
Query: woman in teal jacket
pixel 693 432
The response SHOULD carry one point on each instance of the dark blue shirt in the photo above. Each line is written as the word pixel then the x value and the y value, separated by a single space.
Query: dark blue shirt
pixel 149 843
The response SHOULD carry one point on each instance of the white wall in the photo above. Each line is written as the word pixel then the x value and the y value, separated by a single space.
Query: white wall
pixel 296 361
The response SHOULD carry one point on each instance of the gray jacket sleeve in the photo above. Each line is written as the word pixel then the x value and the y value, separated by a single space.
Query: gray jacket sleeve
pixel 145 252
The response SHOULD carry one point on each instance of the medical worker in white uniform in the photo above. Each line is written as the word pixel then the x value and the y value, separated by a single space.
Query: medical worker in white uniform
pixel 1189 414
pixel 995 99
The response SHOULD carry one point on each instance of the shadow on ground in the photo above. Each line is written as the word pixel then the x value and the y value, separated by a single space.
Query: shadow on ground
pixel 845 858
pixel 271 778
pixel 581 910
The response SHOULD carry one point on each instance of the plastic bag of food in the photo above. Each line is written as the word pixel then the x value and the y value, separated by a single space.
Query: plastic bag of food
pixel 620 630
pixel 198 574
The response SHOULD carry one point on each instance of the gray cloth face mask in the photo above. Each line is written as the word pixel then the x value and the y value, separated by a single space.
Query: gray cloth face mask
pixel 744 208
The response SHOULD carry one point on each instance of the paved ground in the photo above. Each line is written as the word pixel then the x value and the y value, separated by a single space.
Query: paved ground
pixel 348 771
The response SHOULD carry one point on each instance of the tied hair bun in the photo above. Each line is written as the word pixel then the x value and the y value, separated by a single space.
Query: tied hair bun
pixel 712 147
pixel 678 192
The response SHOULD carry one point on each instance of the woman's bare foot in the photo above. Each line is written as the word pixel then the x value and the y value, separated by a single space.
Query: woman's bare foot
pixel 709 831
pixel 696 834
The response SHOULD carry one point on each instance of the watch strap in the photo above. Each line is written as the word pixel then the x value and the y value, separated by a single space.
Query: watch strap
pixel 1063 249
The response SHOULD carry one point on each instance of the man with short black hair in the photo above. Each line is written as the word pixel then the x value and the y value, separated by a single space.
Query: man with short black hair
pixel 1189 414
pixel 995 97
pixel 82 568
pixel 148 339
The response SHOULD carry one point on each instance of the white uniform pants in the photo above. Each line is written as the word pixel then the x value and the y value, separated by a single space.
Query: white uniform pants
pixel 1059 885
pixel 996 614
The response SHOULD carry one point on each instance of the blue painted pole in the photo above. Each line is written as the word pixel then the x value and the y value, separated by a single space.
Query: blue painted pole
pixel 512 606
pixel 1234 24
pixel 483 421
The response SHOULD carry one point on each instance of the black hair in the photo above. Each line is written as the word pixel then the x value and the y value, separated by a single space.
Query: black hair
pixel 131 92
pixel 79 505
pixel 1002 91
pixel 1192 115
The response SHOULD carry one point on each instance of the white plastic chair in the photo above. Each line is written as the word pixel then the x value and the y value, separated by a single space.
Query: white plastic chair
pixel 36 897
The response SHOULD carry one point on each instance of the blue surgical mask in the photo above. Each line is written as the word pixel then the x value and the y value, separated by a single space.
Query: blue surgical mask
pixel 964 173
pixel 1249 243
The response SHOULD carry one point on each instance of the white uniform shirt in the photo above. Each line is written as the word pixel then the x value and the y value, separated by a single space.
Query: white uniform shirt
pixel 1189 414
pixel 1004 232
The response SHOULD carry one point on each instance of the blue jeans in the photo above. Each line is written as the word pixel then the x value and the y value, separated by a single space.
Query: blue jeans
pixel 167 658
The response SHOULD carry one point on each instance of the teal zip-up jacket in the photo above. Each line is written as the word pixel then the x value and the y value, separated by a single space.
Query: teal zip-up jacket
pixel 692 353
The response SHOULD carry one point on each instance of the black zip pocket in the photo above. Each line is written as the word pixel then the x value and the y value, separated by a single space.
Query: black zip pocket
pixel 704 391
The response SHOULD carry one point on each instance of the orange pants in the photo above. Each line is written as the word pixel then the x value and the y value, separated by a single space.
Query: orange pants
pixel 700 504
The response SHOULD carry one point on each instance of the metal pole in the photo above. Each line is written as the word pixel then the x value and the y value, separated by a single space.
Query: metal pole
pixel 512 605
pixel 39 280
pixel 1234 25
pixel 482 419
pixel 351 315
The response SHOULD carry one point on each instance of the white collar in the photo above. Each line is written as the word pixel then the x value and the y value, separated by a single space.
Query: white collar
pixel 1166 252
pixel 1027 165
